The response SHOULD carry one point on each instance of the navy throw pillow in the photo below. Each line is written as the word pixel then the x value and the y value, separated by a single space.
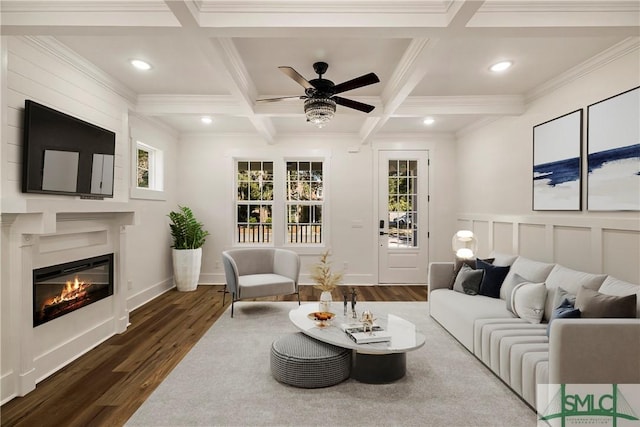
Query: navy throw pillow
pixel 565 310
pixel 492 278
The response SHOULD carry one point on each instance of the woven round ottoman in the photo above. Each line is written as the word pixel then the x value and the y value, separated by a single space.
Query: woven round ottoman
pixel 301 361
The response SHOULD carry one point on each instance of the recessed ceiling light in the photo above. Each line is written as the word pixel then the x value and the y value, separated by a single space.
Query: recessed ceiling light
pixel 140 64
pixel 206 120
pixel 501 66
pixel 429 121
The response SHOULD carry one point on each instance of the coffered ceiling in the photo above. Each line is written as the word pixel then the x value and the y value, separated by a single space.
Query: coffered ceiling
pixel 216 58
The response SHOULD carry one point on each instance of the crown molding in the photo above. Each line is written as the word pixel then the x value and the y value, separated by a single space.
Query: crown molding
pixel 591 13
pixel 53 47
pixel 560 6
pixel 479 124
pixel 625 47
pixel 188 104
pixel 416 106
pixel 84 6
pixel 117 13
pixel 410 136
pixel 153 122
pixel 326 6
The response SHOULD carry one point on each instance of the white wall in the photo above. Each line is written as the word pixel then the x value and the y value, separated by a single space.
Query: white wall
pixel 207 186
pixel 42 70
pixel 495 184
pixel 149 271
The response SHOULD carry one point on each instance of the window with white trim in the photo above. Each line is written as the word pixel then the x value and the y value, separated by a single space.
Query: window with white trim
pixel 304 202
pixel 149 167
pixel 254 201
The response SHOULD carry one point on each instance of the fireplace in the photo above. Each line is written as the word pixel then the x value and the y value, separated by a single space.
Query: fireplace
pixel 63 288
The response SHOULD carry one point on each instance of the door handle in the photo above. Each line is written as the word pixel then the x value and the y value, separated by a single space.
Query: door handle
pixel 382 233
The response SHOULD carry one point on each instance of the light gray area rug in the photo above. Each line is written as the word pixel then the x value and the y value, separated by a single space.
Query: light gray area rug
pixel 225 380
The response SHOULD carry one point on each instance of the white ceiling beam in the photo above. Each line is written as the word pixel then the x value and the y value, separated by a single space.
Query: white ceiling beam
pixel 224 56
pixel 326 13
pixel 410 71
pixel 242 86
pixel 184 13
pixel 418 106
pixel 87 14
pixel 603 13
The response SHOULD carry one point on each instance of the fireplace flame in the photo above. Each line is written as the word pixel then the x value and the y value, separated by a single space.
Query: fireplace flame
pixel 71 291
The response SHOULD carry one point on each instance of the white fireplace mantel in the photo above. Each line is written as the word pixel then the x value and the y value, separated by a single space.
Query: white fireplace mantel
pixel 46 231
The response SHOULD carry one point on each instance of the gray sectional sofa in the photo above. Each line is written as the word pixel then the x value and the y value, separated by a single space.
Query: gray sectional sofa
pixel 521 353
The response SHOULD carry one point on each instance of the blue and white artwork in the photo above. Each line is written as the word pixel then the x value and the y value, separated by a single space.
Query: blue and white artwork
pixel 614 153
pixel 557 145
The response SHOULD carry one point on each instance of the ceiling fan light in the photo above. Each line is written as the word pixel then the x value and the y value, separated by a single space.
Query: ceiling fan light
pixel 319 111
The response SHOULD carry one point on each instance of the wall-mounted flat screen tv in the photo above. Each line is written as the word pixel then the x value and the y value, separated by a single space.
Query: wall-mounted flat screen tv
pixel 65 155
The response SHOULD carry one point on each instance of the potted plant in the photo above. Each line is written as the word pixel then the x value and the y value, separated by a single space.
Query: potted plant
pixel 188 237
pixel 325 280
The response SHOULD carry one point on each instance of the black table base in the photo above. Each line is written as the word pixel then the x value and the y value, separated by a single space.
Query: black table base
pixel 378 368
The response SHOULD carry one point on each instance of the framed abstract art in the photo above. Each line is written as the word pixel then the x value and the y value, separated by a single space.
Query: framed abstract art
pixel 613 153
pixel 557 148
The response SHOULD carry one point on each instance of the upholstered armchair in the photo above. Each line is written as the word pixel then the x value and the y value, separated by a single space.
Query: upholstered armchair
pixel 260 272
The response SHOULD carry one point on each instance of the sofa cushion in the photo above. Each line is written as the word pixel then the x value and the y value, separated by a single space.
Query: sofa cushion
pixel 617 287
pixel 528 301
pixel 571 281
pixel 534 271
pixel 509 285
pixel 503 260
pixel 508 347
pixel 492 278
pixel 500 341
pixel 468 280
pixel 565 310
pixel 479 324
pixel 457 312
pixel 515 364
pixel 595 304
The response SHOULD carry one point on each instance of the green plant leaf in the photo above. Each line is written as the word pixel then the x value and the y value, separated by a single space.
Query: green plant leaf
pixel 186 231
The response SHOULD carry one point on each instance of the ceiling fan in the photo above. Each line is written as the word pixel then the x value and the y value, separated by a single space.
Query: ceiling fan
pixel 320 94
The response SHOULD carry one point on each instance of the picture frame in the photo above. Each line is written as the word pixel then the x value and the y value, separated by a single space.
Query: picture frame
pixel 557 163
pixel 613 153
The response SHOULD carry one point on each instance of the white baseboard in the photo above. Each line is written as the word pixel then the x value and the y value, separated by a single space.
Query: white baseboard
pixel 152 292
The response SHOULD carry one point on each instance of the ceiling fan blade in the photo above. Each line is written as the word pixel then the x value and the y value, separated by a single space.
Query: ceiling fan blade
pixel 366 108
pixel 366 80
pixel 297 77
pixel 282 98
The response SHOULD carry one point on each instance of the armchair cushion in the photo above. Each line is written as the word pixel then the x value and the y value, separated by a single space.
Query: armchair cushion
pixel 259 285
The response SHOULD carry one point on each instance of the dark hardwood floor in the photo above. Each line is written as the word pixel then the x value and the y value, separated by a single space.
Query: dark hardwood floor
pixel 106 386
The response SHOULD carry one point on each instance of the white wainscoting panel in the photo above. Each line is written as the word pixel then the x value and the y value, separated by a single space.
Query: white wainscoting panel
pixel 585 242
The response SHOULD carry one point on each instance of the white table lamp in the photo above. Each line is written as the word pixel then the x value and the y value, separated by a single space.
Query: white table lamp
pixel 464 244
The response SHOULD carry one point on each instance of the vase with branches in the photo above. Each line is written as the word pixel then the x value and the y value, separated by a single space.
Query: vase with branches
pixel 325 279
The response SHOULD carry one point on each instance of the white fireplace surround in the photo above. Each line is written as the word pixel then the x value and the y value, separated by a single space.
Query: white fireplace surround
pixel 39 233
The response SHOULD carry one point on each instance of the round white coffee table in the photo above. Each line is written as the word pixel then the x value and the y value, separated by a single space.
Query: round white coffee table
pixel 375 363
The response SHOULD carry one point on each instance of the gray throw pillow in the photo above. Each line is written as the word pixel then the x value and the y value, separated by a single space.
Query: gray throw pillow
pixel 463 261
pixel 594 304
pixel 468 280
pixel 560 295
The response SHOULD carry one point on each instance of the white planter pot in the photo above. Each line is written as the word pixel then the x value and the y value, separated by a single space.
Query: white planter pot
pixel 186 268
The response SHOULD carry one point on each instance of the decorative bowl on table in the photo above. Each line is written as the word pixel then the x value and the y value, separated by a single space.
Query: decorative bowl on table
pixel 322 318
